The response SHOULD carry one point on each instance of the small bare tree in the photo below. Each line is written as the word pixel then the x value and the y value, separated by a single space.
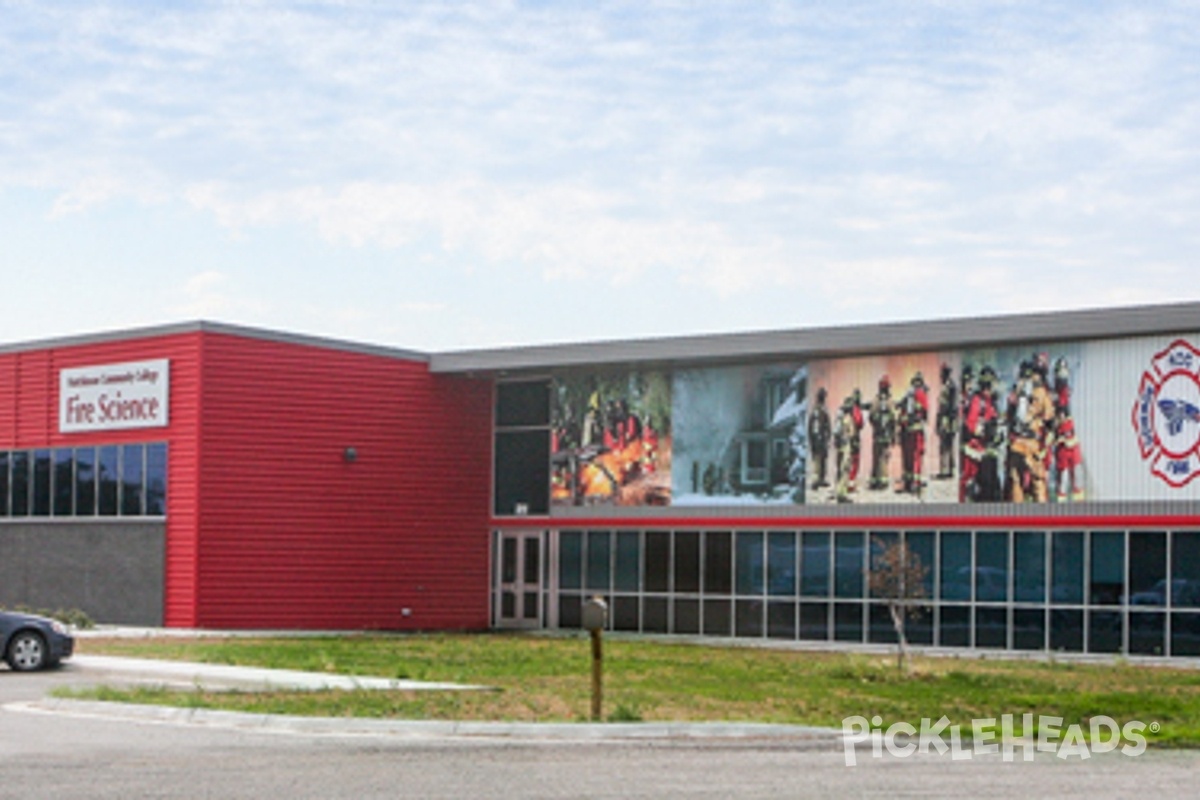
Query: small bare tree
pixel 897 576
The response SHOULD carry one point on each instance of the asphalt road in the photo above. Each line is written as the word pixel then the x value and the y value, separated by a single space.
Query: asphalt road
pixel 59 753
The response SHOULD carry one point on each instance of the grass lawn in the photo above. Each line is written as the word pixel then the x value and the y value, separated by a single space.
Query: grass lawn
pixel 548 679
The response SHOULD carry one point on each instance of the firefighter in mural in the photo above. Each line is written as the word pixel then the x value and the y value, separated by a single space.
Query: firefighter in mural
pixel 947 423
pixel 1067 456
pixel 914 414
pixel 847 436
pixel 1030 416
pixel 882 417
pixel 819 434
pixel 590 432
pixel 979 480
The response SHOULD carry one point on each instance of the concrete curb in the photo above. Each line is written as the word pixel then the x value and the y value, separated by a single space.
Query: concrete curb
pixel 433 729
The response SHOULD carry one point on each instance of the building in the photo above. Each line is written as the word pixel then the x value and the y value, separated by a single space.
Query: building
pixel 1042 466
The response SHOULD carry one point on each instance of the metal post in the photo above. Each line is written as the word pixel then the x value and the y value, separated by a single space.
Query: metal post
pixel 597 675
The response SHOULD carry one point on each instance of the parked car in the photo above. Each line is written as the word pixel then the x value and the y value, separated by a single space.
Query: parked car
pixel 29 642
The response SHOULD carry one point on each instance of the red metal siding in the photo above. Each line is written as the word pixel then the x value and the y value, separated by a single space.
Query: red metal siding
pixel 294 536
pixel 29 419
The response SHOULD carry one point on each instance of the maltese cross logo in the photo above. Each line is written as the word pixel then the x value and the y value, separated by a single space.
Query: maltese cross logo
pixel 1166 415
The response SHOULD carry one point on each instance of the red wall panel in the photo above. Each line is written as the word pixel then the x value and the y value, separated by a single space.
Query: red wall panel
pixel 293 535
pixel 268 524
pixel 29 419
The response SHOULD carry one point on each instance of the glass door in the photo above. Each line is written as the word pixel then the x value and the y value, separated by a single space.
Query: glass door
pixel 518 591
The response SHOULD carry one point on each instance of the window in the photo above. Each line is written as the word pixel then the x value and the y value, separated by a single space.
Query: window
pixel 956 566
pixel 991 567
pixel 1147 570
pixel 814 574
pixel 156 480
pixel 718 563
pixel 522 448
pixel 1067 573
pixel 524 404
pixel 108 474
pixel 20 484
pixel 570 556
pixel 1185 570
pixel 627 571
pixel 110 480
pixel 133 472
pixel 1029 568
pixel 1108 568
pixel 522 472
pixel 848 566
pixel 687 562
pixel 64 482
pixel 598 560
pixel 41 483
pixel 4 484
pixel 85 481
pixel 750 563
pixel 781 564
pixel 754 461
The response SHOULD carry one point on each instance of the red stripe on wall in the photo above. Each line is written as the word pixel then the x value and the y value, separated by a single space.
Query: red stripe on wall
pixel 907 523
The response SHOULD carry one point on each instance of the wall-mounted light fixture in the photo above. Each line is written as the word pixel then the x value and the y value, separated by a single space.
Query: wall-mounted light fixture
pixel 350 455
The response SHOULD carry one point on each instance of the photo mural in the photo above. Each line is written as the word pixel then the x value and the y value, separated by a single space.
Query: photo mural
pixel 1111 420
pixel 739 435
pixel 882 429
pixel 610 439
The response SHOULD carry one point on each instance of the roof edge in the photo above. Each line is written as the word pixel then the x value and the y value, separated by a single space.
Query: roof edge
pixel 206 326
pixel 835 341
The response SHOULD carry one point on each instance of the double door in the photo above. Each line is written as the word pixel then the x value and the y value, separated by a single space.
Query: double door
pixel 520 561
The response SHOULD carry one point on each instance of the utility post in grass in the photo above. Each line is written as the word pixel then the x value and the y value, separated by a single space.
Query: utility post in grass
pixel 595 619
pixel 897 577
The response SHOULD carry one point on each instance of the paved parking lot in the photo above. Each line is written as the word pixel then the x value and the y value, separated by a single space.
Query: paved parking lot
pixel 64 751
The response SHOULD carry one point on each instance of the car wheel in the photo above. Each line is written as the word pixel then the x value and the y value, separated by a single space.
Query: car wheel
pixel 26 652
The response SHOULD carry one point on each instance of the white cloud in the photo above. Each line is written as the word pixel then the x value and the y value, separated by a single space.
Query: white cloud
pixel 838 154
pixel 213 295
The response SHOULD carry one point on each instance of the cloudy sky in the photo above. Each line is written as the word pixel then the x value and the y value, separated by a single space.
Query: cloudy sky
pixel 439 175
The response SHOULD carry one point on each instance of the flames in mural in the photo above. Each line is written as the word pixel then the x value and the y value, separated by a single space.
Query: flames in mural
pixel 611 441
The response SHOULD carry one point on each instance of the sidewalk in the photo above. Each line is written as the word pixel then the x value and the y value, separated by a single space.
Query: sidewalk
pixel 220 676
pixel 178 674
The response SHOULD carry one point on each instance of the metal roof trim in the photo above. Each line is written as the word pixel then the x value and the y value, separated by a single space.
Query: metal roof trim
pixel 202 326
pixel 842 340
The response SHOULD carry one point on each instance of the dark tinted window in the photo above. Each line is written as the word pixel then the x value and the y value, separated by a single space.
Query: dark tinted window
pixel 1108 568
pixel 1029 568
pixel 4 484
pixel 1185 568
pixel 814 565
pixel 132 480
pixel 658 562
pixel 156 480
pixel 1067 575
pixel 956 566
pixel 64 482
pixel 523 472
pixel 20 484
pixel 718 563
pixel 108 474
pixel 41 483
pixel 85 481
pixel 523 404
pixel 687 562
pixel 627 572
pixel 1147 569
pixel 570 557
pixel 599 558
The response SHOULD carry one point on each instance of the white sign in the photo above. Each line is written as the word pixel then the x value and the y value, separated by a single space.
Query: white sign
pixel 114 396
